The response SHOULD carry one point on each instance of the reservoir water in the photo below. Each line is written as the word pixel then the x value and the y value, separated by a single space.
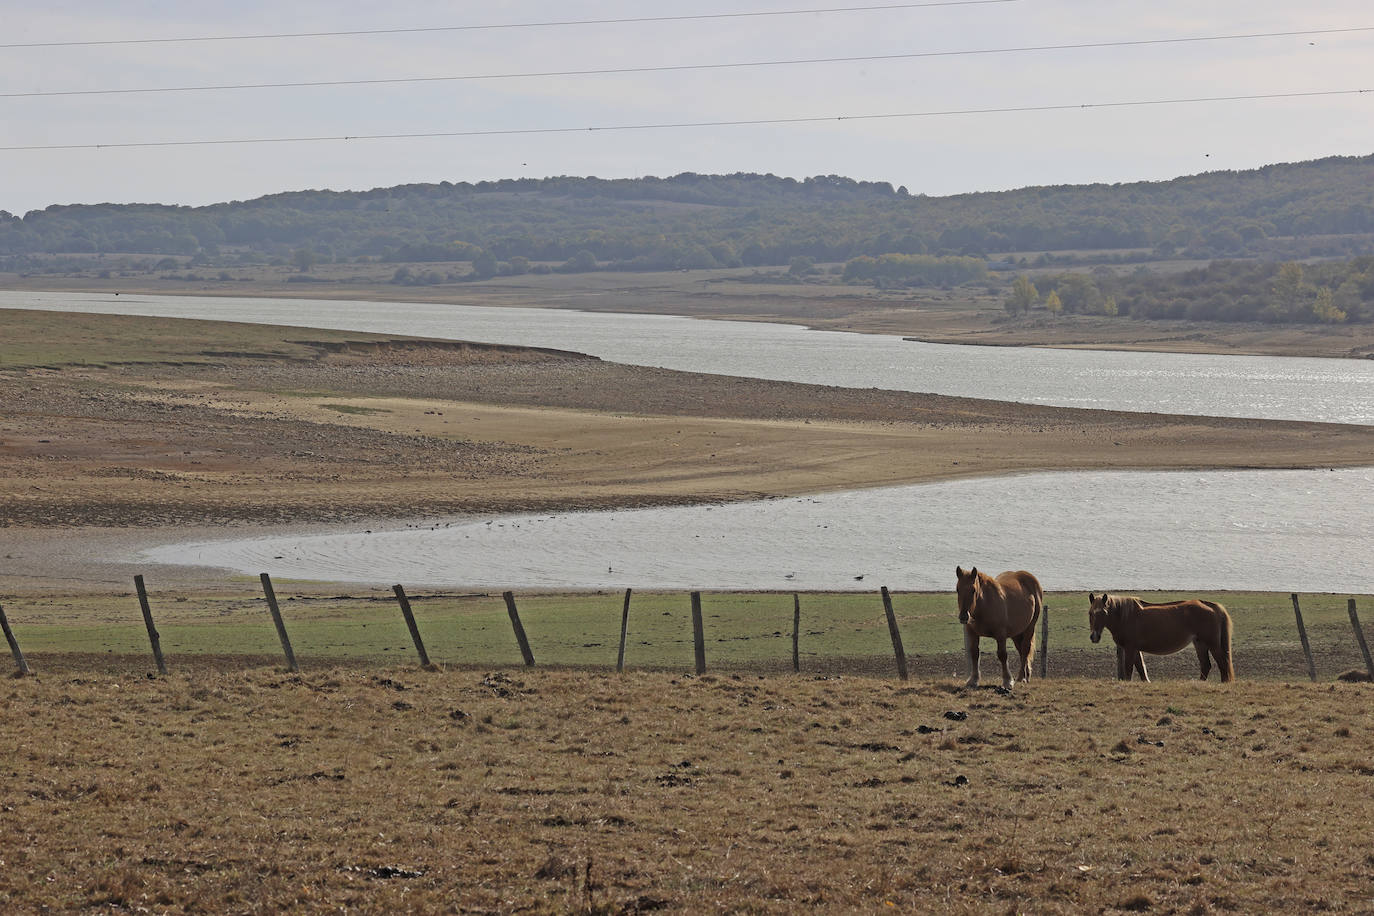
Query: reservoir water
pixel 1332 390
pixel 1269 530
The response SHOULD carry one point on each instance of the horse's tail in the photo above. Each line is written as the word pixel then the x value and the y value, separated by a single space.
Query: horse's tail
pixel 1037 599
pixel 1223 642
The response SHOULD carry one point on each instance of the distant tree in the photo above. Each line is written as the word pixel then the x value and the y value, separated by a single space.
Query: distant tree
pixel 1287 297
pixel 1079 294
pixel 1109 306
pixel 1053 304
pixel 801 265
pixel 582 262
pixel 484 265
pixel 1225 240
pixel 695 257
pixel 1023 296
pixel 304 258
pixel 1324 307
pixel 1347 297
pixel 913 269
pixel 518 265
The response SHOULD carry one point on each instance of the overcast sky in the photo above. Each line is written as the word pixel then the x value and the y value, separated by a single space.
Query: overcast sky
pixel 930 154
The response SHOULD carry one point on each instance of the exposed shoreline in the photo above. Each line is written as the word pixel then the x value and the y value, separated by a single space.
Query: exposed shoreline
pixel 246 440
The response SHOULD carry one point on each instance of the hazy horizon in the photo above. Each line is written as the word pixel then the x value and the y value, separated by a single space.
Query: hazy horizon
pixel 961 104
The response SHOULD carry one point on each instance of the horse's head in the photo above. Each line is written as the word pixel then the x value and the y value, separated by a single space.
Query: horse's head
pixel 967 587
pixel 1099 615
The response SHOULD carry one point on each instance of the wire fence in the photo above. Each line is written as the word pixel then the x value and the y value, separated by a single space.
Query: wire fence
pixel 912 634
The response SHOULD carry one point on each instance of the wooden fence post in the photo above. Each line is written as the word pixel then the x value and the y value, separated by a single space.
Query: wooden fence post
pixel 410 625
pixel 276 619
pixel 1045 641
pixel 796 630
pixel 148 622
pixel 519 629
pixel 896 634
pixel 624 629
pixel 1302 635
pixel 14 643
pixel 698 633
pixel 1359 638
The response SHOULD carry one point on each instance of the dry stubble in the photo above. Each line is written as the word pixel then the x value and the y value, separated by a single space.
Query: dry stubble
pixel 554 791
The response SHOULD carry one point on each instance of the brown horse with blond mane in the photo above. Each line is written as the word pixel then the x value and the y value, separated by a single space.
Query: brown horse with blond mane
pixel 1001 608
pixel 1162 629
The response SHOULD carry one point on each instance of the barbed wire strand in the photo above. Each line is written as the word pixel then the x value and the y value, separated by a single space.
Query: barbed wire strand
pixel 667 68
pixel 811 119
pixel 505 25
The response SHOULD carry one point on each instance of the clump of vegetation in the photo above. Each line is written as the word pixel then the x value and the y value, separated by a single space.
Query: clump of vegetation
pixel 1330 292
pixel 915 270
pixel 355 409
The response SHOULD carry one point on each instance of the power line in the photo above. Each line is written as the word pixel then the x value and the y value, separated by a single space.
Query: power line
pixel 667 68
pixel 695 124
pixel 505 25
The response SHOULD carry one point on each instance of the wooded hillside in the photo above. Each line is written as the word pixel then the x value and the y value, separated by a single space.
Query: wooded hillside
pixel 1323 207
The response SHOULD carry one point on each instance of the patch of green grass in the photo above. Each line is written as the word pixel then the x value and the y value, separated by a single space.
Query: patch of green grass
pixel 355 409
pixel 741 630
pixel 57 339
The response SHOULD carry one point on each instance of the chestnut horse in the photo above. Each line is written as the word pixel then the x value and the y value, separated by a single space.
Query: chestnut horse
pixel 1003 608
pixel 1162 629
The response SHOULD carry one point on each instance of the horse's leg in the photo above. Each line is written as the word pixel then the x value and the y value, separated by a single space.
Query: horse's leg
pixel 971 647
pixel 1137 661
pixel 1123 673
pixel 1025 647
pixel 1002 658
pixel 1203 661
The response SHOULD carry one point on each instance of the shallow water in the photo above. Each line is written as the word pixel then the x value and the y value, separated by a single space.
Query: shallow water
pixel 1333 390
pixel 1265 530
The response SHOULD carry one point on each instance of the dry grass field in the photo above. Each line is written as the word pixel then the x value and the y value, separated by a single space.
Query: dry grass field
pixel 544 791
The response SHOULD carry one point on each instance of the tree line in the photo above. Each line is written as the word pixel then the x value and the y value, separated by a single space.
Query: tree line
pixel 1329 292
pixel 1299 210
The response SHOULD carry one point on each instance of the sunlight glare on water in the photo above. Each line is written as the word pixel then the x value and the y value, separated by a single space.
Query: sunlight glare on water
pixel 1309 531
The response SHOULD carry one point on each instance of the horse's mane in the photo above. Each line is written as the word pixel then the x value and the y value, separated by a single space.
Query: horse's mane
pixel 1135 603
pixel 1122 602
pixel 988 580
